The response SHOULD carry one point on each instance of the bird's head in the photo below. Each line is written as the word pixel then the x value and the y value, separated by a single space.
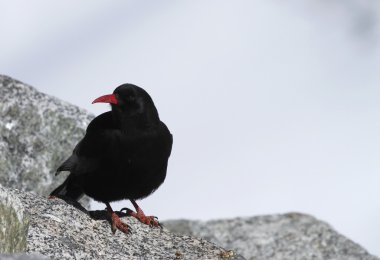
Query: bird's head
pixel 130 101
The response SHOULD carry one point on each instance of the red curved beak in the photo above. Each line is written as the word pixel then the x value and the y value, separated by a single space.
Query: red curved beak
pixel 106 99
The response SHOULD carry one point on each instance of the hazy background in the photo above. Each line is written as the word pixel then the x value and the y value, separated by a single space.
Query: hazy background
pixel 274 105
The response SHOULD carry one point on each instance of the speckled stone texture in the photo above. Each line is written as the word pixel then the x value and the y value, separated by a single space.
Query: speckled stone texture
pixel 37 133
pixel 290 236
pixel 59 231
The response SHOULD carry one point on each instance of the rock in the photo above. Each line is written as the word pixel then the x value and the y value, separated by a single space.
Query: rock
pixel 37 133
pixel 60 231
pixel 22 257
pixel 13 224
pixel 289 236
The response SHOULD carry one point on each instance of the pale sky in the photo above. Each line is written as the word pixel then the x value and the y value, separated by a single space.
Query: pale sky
pixel 273 105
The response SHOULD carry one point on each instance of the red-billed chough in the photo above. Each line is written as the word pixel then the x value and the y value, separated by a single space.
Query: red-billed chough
pixel 123 155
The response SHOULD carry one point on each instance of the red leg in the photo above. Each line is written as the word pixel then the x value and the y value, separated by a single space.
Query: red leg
pixel 116 221
pixel 139 214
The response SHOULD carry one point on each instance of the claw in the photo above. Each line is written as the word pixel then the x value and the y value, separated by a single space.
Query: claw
pixel 116 222
pixel 148 220
pixel 151 221
pixel 113 228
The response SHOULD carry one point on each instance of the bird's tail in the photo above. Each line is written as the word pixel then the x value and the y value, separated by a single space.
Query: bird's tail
pixel 68 190
pixel 67 165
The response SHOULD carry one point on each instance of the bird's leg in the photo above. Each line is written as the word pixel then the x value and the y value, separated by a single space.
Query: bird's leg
pixel 116 221
pixel 139 214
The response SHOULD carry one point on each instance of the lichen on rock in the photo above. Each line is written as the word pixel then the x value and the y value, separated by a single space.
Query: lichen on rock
pixel 13 223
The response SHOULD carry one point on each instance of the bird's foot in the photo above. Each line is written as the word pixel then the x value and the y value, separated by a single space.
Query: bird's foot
pixel 151 221
pixel 116 222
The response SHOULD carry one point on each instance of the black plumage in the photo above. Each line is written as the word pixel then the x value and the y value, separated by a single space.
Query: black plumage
pixel 123 155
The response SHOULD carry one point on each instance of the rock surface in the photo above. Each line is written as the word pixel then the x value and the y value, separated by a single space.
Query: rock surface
pixel 289 236
pixel 13 224
pixel 60 231
pixel 37 133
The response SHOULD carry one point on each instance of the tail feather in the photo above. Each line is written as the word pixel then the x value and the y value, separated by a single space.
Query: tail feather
pixel 67 165
pixel 68 190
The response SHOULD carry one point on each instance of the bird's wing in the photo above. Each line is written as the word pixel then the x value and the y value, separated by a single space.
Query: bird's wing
pixel 92 147
pixel 70 162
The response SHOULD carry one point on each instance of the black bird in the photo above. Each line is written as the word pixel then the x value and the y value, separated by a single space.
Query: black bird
pixel 123 155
